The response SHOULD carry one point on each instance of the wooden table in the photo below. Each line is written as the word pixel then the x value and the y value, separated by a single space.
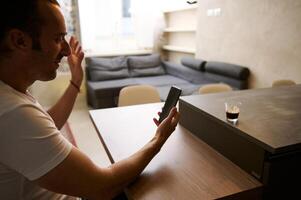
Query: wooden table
pixel 185 168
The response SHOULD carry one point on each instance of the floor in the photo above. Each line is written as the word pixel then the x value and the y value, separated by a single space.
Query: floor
pixel 80 123
pixel 85 134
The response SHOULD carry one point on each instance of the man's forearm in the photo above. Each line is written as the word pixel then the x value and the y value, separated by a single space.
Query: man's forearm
pixel 62 109
pixel 87 180
pixel 90 181
pixel 126 171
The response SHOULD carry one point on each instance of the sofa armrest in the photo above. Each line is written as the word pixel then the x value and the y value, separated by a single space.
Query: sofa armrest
pixel 197 64
pixel 227 69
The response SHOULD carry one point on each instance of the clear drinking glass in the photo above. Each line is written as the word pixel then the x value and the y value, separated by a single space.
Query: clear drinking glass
pixel 232 109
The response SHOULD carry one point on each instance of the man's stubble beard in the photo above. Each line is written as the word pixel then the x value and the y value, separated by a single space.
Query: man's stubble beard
pixel 46 69
pixel 37 47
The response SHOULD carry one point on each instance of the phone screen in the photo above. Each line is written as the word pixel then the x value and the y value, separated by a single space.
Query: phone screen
pixel 171 101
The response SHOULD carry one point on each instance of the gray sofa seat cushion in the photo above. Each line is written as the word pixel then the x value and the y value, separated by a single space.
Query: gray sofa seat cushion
pixel 149 65
pixel 226 69
pixel 160 80
pixel 109 84
pixel 99 75
pixel 105 93
pixel 197 64
pixel 187 89
pixel 101 69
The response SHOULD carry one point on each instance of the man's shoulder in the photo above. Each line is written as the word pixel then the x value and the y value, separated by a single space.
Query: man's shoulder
pixel 11 99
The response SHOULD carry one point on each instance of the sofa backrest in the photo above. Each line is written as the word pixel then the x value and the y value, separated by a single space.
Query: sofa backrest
pixel 185 73
pixel 109 68
pixel 235 75
pixel 235 83
pixel 201 72
pixel 148 65
pixel 227 69
pixel 100 69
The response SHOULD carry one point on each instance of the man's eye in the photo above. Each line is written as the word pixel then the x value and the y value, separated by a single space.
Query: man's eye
pixel 60 39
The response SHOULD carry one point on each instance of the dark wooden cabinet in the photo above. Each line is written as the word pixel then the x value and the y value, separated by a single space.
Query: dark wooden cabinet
pixel 266 142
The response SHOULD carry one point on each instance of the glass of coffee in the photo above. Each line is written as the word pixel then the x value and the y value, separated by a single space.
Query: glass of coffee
pixel 232 111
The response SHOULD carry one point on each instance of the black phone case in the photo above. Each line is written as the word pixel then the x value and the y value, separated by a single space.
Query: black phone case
pixel 171 101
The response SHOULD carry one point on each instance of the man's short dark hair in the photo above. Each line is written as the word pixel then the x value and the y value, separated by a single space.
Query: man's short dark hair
pixel 22 15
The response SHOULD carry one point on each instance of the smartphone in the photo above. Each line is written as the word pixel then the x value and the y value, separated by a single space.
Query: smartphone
pixel 171 101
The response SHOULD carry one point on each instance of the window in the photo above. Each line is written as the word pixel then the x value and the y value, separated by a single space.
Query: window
pixel 126 4
pixel 107 26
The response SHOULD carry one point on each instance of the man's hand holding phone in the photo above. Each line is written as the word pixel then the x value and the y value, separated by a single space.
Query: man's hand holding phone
pixel 171 101
pixel 169 117
pixel 168 125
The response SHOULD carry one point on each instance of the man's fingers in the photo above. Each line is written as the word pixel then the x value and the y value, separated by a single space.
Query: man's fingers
pixel 79 49
pixel 169 118
pixel 71 41
pixel 81 55
pixel 176 119
pixel 76 44
pixel 156 121
pixel 172 112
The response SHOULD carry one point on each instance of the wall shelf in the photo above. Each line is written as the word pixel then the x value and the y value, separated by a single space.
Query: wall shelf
pixel 180 33
pixel 179 49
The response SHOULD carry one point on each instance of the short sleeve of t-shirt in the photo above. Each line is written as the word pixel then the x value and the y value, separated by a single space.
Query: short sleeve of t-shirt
pixel 30 143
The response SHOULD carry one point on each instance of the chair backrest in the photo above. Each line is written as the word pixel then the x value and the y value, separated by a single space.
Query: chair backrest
pixel 138 94
pixel 214 88
pixel 283 82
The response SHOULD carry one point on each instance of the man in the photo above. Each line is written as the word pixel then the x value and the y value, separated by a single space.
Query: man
pixel 36 162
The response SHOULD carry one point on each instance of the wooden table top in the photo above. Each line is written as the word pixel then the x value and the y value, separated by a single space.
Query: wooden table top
pixel 269 117
pixel 185 168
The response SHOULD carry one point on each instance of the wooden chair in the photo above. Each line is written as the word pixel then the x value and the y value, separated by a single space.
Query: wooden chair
pixel 138 94
pixel 214 88
pixel 283 82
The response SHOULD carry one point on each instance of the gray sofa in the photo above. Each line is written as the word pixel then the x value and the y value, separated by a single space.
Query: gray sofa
pixel 105 77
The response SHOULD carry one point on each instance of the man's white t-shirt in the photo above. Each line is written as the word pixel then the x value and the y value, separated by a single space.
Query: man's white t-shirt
pixel 30 146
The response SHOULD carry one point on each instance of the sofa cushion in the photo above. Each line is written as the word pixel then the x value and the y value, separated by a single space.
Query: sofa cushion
pixel 235 83
pixel 101 69
pixel 197 64
pixel 110 84
pixel 99 75
pixel 187 89
pixel 226 69
pixel 185 73
pixel 160 80
pixel 149 65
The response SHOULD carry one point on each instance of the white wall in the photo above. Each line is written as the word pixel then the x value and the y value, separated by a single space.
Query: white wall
pixel 264 35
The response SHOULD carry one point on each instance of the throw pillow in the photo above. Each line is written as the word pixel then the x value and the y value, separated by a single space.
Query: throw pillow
pixel 197 64
pixel 107 68
pixel 149 65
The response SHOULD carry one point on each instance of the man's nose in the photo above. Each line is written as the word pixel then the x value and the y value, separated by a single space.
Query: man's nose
pixel 66 49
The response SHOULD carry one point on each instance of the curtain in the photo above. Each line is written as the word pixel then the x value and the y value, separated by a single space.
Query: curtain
pixel 69 10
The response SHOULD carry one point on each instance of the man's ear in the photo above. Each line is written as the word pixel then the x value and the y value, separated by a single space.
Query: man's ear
pixel 18 40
